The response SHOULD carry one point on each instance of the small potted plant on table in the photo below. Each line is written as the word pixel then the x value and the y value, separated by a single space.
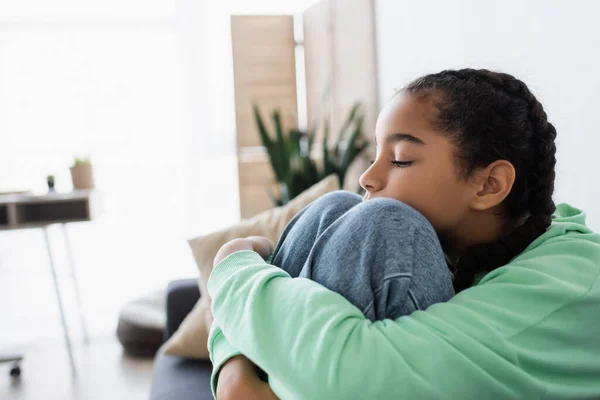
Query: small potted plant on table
pixel 82 174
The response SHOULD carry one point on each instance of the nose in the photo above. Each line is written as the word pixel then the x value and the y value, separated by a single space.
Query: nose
pixel 371 180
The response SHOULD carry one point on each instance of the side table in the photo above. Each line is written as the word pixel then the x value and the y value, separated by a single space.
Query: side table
pixel 23 211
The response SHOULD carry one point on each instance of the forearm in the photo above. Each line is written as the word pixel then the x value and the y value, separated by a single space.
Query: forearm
pixel 315 344
pixel 272 346
pixel 239 380
pixel 234 376
pixel 220 351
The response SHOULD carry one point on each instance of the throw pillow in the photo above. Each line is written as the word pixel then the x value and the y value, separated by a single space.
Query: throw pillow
pixel 190 340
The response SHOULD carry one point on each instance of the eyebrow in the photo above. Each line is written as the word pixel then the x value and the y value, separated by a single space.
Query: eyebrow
pixel 400 137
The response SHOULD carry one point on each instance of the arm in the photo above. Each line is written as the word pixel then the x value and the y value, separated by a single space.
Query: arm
pixel 222 352
pixel 315 344
pixel 239 381
pixel 233 373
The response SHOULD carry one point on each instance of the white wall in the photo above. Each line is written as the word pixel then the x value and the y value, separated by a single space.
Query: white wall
pixel 146 88
pixel 553 46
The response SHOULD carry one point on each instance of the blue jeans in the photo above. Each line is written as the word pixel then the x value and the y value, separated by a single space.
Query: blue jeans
pixel 381 255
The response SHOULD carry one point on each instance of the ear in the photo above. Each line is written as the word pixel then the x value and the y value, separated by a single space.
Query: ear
pixel 492 185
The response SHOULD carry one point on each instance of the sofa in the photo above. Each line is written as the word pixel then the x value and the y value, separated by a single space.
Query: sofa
pixel 176 378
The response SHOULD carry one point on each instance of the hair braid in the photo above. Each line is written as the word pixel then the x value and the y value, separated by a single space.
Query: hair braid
pixel 512 116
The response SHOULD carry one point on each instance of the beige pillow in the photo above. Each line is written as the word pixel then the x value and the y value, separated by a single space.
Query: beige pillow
pixel 191 338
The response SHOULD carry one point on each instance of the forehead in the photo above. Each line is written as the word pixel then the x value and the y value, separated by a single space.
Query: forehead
pixel 407 114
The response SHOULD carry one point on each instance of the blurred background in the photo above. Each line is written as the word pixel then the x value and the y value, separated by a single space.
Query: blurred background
pixel 158 95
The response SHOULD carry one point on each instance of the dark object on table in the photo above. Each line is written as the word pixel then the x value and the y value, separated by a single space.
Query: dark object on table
pixel 50 182
pixel 15 360
pixel 177 377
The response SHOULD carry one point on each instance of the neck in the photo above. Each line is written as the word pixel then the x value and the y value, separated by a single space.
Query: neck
pixel 477 228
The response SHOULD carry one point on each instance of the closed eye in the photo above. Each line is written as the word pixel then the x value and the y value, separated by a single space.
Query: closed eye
pixel 397 163
pixel 402 163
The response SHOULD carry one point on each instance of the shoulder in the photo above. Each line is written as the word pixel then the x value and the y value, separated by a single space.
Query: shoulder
pixel 560 271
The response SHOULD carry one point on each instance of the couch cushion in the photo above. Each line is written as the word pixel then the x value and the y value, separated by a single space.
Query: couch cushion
pixel 176 378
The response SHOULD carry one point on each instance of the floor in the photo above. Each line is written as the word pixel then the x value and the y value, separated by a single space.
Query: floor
pixel 103 373
pixel 114 266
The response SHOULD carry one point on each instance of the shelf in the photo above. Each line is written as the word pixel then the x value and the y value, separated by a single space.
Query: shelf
pixel 30 211
pixel 58 211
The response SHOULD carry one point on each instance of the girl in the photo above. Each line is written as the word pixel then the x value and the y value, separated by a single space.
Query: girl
pixel 472 152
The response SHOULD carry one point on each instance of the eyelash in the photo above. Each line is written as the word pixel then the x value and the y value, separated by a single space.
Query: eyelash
pixel 399 164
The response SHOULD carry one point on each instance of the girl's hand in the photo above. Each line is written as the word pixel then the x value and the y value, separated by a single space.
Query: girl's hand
pixel 231 247
pixel 238 380
pixel 262 245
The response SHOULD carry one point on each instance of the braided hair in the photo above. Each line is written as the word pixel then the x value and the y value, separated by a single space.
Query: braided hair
pixel 492 116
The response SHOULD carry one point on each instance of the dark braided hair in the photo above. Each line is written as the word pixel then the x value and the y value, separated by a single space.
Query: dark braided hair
pixel 493 116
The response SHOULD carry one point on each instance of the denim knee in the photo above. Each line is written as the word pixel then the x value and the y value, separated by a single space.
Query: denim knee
pixel 384 257
pixel 336 201
pixel 383 210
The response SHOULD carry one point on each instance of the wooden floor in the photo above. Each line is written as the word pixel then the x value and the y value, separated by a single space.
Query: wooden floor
pixel 103 373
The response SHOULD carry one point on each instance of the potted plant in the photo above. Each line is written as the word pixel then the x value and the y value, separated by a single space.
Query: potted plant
pixel 290 152
pixel 82 174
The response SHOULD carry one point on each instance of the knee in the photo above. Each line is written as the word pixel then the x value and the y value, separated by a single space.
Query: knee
pixel 337 201
pixel 385 211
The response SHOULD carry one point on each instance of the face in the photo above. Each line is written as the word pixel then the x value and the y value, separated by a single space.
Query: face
pixel 416 165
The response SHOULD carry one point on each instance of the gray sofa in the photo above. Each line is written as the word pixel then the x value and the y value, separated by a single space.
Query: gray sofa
pixel 176 378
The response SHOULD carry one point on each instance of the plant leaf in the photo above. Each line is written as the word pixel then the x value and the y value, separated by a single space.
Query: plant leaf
pixel 280 147
pixel 272 150
pixel 262 129
pixel 312 133
pixel 326 162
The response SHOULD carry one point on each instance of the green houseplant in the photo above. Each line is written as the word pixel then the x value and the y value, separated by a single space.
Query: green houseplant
pixel 290 152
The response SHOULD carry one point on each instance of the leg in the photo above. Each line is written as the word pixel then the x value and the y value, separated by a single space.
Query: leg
pixel 300 234
pixel 86 337
pixel 60 304
pixel 384 257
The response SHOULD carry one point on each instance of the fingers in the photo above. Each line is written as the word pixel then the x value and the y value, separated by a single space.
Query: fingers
pixel 262 245
pixel 231 247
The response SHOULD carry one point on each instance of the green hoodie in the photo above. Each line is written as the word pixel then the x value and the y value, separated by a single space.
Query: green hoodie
pixel 527 330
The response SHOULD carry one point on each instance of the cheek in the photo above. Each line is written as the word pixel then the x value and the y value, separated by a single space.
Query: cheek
pixel 437 195
pixel 447 204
